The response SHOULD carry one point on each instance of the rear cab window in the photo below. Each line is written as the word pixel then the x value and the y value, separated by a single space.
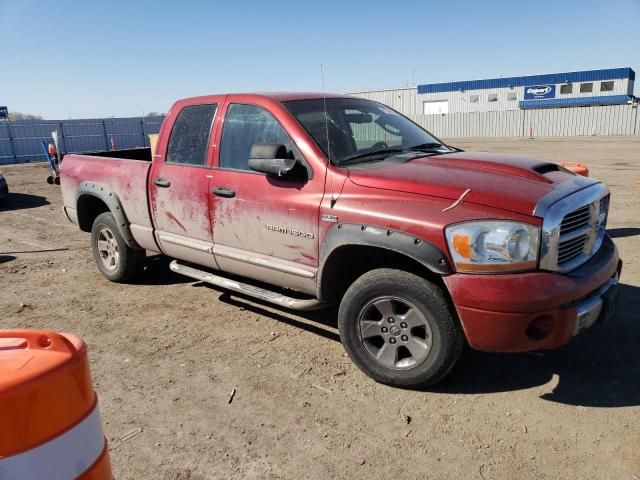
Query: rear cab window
pixel 190 135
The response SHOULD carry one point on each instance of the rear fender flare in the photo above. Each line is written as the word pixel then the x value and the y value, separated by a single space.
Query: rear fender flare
pixel 114 205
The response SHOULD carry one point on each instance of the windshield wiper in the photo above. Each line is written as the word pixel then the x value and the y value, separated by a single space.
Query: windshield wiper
pixel 427 146
pixel 360 156
pixel 434 146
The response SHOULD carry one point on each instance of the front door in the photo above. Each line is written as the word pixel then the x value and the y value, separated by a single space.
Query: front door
pixel 179 187
pixel 264 227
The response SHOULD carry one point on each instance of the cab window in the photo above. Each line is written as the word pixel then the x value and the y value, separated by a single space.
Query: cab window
pixel 245 125
pixel 190 135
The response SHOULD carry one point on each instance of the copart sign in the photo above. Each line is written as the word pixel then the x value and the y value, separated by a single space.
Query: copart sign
pixel 536 92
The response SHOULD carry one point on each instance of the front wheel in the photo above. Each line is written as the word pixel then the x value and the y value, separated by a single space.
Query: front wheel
pixel 116 260
pixel 398 328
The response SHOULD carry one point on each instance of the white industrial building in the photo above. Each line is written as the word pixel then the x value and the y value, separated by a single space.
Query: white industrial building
pixel 556 90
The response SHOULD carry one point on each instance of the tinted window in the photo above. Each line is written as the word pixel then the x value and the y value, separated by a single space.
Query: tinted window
pixel 474 98
pixel 606 86
pixel 190 135
pixel 245 125
pixel 492 97
pixel 566 88
pixel 586 87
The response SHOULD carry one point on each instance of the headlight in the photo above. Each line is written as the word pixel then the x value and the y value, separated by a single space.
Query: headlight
pixel 493 246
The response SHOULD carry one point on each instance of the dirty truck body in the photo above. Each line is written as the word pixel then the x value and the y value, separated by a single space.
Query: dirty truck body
pixel 343 200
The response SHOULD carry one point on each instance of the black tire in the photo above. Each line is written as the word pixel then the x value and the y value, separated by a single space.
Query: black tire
pixel 116 260
pixel 438 344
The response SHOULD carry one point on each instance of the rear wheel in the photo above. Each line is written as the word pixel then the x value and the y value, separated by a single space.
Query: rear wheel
pixel 116 260
pixel 398 328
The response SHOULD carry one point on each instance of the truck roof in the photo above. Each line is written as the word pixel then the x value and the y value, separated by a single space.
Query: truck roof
pixel 277 96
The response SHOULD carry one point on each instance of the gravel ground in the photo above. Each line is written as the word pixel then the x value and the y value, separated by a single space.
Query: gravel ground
pixel 167 352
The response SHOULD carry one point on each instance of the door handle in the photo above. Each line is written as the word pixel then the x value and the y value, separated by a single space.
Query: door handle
pixel 161 182
pixel 224 192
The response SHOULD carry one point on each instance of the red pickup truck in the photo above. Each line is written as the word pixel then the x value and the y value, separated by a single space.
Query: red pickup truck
pixel 343 200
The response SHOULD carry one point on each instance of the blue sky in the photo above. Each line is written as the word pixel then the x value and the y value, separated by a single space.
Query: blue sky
pixel 89 58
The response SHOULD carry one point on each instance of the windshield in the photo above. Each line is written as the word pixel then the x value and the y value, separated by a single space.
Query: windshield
pixel 360 130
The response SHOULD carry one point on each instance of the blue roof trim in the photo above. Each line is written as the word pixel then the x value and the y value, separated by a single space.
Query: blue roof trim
pixel 575 102
pixel 551 78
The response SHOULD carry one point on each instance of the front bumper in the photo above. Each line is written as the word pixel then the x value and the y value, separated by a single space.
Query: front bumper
pixel 530 311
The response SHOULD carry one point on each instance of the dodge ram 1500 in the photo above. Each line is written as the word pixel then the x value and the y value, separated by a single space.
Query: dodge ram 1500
pixel 336 199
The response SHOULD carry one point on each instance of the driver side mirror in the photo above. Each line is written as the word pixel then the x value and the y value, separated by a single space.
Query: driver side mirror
pixel 272 159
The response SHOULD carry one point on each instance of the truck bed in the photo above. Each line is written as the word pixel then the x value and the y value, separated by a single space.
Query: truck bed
pixel 121 172
pixel 143 154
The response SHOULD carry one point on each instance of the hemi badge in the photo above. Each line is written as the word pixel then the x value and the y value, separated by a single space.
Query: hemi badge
pixel 329 218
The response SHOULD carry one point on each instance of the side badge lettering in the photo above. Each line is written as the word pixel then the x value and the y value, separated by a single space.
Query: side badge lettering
pixel 289 231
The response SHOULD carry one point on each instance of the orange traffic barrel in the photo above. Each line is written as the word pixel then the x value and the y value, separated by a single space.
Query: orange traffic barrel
pixel 50 426
pixel 577 168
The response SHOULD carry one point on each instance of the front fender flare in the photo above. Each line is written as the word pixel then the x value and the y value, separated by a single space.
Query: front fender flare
pixel 418 249
pixel 114 205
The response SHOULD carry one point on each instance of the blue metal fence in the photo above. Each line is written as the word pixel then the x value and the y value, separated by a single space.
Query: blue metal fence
pixel 20 140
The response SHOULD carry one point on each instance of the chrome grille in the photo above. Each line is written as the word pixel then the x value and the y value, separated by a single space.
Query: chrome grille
pixel 575 219
pixel 604 205
pixel 570 249
pixel 573 228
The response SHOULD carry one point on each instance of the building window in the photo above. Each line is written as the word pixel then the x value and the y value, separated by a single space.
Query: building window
pixel 512 96
pixel 586 87
pixel 566 88
pixel 606 86
pixel 435 107
pixel 474 98
pixel 492 97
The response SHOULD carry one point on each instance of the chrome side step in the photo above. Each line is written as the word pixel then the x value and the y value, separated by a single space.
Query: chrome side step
pixel 251 290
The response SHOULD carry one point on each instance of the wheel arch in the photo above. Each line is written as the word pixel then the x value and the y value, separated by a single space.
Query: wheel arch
pixel 350 250
pixel 93 199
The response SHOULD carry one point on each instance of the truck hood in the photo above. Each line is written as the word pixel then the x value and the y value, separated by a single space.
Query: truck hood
pixel 495 180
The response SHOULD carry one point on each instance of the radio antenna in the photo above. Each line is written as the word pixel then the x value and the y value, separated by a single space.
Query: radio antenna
pixel 326 127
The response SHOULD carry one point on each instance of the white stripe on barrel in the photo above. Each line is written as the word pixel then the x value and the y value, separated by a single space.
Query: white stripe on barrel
pixel 63 458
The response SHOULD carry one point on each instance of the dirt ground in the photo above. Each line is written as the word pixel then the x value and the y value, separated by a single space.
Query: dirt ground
pixel 166 353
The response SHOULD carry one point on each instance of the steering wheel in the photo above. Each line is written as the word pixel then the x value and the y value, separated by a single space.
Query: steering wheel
pixel 379 145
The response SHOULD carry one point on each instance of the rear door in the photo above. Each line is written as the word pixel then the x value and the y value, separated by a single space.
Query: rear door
pixel 179 186
pixel 264 227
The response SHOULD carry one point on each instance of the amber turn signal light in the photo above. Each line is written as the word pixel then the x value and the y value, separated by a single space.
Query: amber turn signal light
pixel 462 245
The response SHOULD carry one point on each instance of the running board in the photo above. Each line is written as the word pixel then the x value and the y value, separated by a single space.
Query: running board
pixel 246 289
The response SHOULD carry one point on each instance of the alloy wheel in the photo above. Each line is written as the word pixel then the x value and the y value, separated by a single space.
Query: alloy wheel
pixel 395 332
